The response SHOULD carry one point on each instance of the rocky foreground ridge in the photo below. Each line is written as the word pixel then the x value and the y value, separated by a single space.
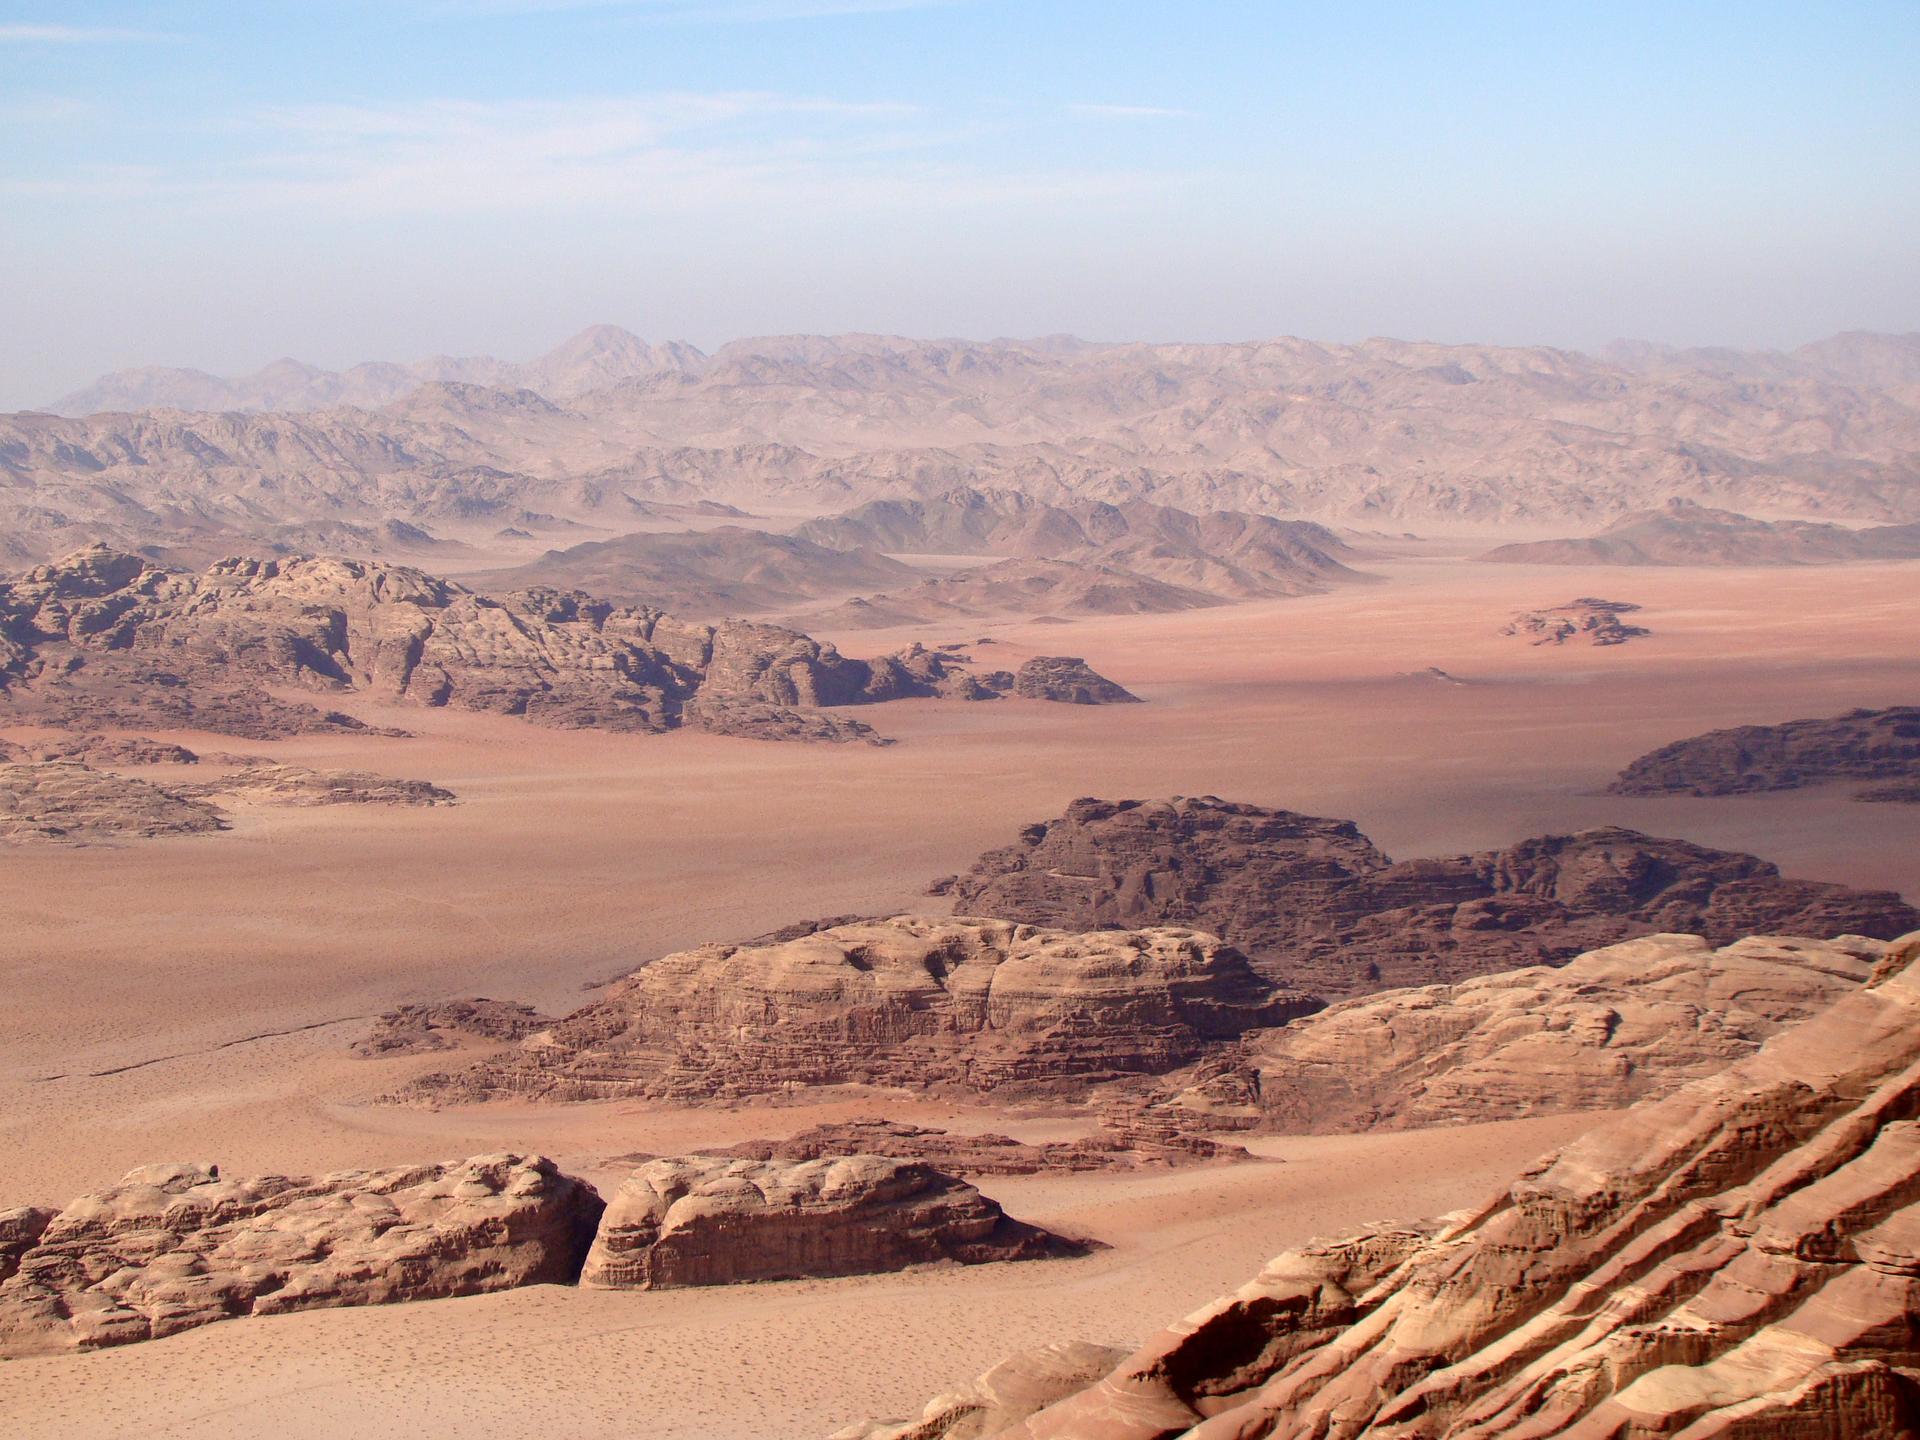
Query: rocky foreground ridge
pixel 1317 907
pixel 1859 745
pixel 926 1002
pixel 109 639
pixel 1740 1259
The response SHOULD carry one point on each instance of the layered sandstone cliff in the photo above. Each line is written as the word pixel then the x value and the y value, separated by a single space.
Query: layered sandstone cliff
pixel 1317 906
pixel 1740 1259
pixel 724 1221
pixel 918 1001
pixel 176 1246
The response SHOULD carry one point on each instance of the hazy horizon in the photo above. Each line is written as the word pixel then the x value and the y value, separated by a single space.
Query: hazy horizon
pixel 215 191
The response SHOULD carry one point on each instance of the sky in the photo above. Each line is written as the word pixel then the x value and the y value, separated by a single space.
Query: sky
pixel 218 185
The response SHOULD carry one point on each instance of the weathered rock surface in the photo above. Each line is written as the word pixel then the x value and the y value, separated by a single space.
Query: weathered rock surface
pixel 422 1029
pixel 1316 906
pixel 1007 1394
pixel 1595 622
pixel 176 1246
pixel 1609 1028
pixel 299 785
pixel 1123 1142
pixel 975 1005
pixel 1859 745
pixel 1069 680
pixel 1740 1259
pixel 61 801
pixel 100 750
pixel 711 1220
pixel 111 636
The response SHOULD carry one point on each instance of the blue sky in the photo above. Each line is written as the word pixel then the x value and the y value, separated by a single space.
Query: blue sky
pixel 219 184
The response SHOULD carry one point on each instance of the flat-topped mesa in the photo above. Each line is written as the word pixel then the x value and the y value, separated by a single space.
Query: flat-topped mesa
pixel 105 638
pixel 176 1246
pixel 1317 907
pixel 714 1220
pixel 1736 1260
pixel 1859 745
pixel 921 1002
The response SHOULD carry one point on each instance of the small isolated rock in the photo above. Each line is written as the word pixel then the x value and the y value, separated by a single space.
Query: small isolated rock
pixel 1069 680
pixel 1597 622
pixel 710 1220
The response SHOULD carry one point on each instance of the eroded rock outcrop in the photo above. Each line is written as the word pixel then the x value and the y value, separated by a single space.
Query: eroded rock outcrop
pixel 1611 1027
pixel 976 1005
pixel 1127 1139
pixel 100 750
pixel 710 1220
pixel 1594 622
pixel 1859 745
pixel 1318 907
pixel 1009 1393
pixel 1068 680
pixel 61 801
pixel 1740 1259
pixel 299 785
pixel 423 1029
pixel 106 637
pixel 176 1246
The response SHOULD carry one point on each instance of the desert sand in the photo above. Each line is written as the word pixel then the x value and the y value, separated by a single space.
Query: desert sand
pixel 194 997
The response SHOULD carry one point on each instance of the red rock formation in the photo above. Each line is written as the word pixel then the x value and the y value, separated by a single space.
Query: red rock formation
pixel 75 803
pixel 1127 1139
pixel 1860 745
pixel 1740 1259
pixel 1317 907
pixel 176 1246
pixel 720 1221
pixel 1597 622
pixel 980 1005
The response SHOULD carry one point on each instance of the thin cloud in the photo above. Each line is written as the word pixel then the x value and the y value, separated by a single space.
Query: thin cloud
pixel 72 35
pixel 1132 112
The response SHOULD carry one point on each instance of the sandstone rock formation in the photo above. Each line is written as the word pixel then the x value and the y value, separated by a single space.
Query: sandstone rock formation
pixel 112 636
pixel 101 750
pixel 973 1005
pixel 1609 1028
pixel 176 1246
pixel 1683 533
pixel 1317 907
pixel 711 1220
pixel 422 1029
pixel 1003 1397
pixel 299 785
pixel 1596 622
pixel 1123 1142
pixel 1736 1260
pixel 1859 745
pixel 1069 680
pixel 61 801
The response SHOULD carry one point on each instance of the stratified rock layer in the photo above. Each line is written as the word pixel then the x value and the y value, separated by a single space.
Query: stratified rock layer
pixel 177 1246
pixel 1610 1028
pixel 717 1221
pixel 981 1005
pixel 1316 906
pixel 1860 745
pixel 1740 1259
pixel 60 801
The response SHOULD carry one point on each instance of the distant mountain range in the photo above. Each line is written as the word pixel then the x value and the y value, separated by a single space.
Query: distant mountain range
pixel 1682 533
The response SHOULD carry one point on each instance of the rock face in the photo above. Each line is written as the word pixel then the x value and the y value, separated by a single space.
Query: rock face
pixel 1069 680
pixel 109 636
pixel 1682 533
pixel 1860 745
pixel 1317 907
pixel 1121 1143
pixel 176 1246
pixel 717 1221
pixel 298 785
pixel 75 803
pixel 1003 1397
pixel 1738 1260
pixel 1594 622
pixel 1609 1028
pixel 972 1005
pixel 422 1029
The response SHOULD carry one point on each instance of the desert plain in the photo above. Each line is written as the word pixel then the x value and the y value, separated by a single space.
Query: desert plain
pixel 195 997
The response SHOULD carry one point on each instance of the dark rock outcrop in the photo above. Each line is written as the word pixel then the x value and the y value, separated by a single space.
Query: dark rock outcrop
pixel 1859 745
pixel 1596 622
pixel 422 1029
pixel 177 1246
pixel 60 801
pixel 1317 907
pixel 924 1002
pixel 711 1220
pixel 299 785
pixel 1126 1140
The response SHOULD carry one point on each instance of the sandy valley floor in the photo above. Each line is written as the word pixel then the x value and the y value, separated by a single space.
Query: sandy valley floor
pixel 194 998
